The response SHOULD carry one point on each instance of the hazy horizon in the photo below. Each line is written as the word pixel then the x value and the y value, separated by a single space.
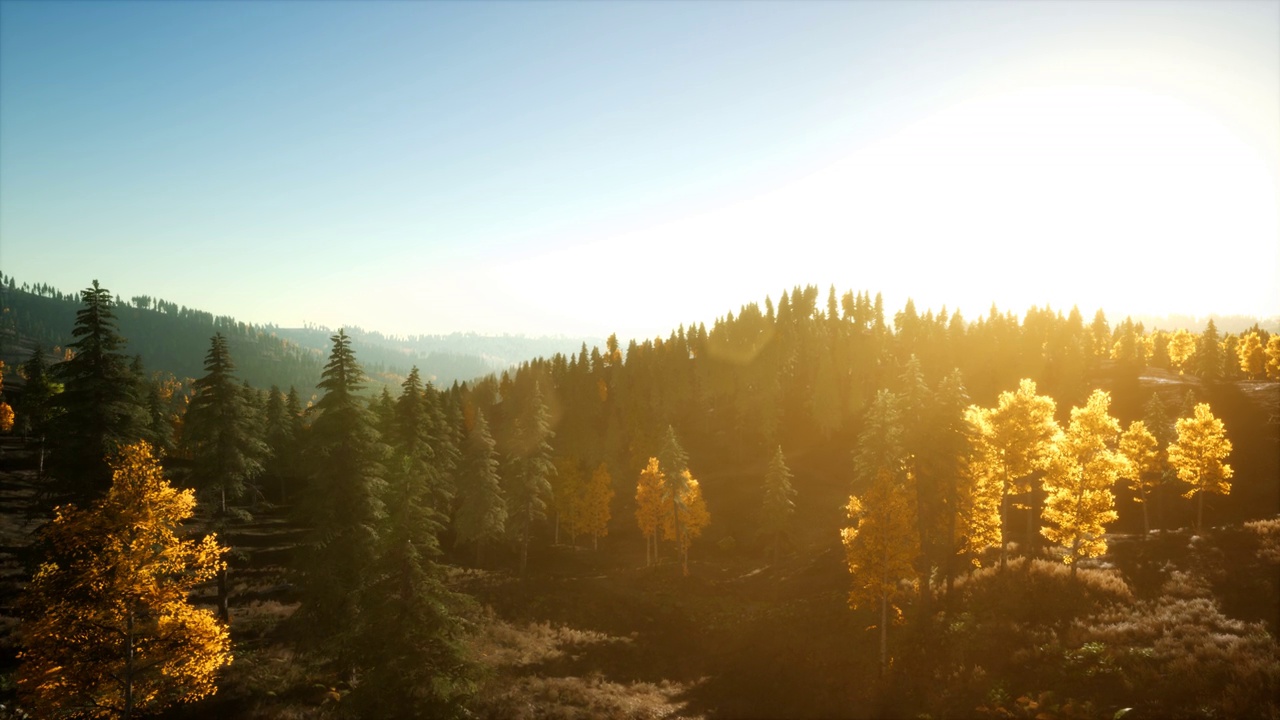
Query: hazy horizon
pixel 579 170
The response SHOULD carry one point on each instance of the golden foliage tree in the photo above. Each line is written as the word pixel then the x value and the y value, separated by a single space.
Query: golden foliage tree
pixel 1146 463
pixel 1182 346
pixel 593 512
pixel 649 508
pixel 566 496
pixel 1273 358
pixel 1082 467
pixel 1197 457
pixel 880 549
pixel 1018 434
pixel 111 631
pixel 684 519
pixel 1252 356
pixel 981 495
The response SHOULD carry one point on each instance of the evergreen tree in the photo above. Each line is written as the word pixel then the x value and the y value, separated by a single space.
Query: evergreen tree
pixel 343 506
pixel 673 462
pixel 482 509
pixel 225 449
pixel 779 502
pixel 38 394
pixel 533 471
pixel 1208 355
pixel 98 409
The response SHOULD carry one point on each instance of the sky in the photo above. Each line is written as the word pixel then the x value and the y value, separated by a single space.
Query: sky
pixel 581 168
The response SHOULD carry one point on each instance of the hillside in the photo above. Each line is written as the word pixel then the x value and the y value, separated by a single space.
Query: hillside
pixel 173 339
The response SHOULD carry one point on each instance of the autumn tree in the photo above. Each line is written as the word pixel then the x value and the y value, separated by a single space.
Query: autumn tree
pixel 1197 457
pixel 593 512
pixel 684 519
pixel 566 497
pixel 1082 467
pixel 1018 433
pixel 1273 357
pixel 482 508
pixel 649 507
pixel 880 550
pixel 1182 345
pixel 1145 466
pixel 98 409
pixel 1252 356
pixel 110 630
pixel 343 507
pixel 779 502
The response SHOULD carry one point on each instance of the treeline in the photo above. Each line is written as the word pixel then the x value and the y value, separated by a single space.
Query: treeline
pixel 390 485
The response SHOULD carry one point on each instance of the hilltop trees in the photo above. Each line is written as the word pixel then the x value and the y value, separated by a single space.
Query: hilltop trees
pixel 111 631
pixel 98 409
pixel 1198 456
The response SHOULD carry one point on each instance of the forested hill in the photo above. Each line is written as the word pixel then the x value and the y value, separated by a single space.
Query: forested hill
pixel 174 339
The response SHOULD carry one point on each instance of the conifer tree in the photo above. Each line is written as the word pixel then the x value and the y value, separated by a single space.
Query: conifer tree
pixel 225 450
pixel 1082 468
pixel 1208 355
pixel 343 506
pixel 38 394
pixel 673 461
pixel 533 472
pixel 649 507
pixel 482 509
pixel 98 409
pixel 779 502
pixel 110 630
pixel 1198 456
pixel 566 497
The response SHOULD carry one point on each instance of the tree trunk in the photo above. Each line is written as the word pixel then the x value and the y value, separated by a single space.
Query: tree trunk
pixel 884 633
pixel 524 541
pixel 1004 538
pixel 128 667
pixel 224 611
pixel 1199 511
pixel 1146 523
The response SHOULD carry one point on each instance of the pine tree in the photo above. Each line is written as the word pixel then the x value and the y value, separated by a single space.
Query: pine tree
pixel 98 409
pixel 1198 456
pixel 533 472
pixel 38 394
pixel 482 509
pixel 779 502
pixel 1208 355
pixel 225 450
pixel 1082 468
pixel 343 507
pixel 673 462
pixel 110 629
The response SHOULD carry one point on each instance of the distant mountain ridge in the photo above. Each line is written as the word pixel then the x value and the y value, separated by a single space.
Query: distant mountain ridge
pixel 174 339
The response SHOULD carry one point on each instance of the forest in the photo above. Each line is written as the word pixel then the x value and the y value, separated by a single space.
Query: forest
pixel 814 507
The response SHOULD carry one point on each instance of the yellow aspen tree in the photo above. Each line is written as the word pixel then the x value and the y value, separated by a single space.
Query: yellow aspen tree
pixel 566 491
pixel 982 491
pixel 1273 357
pixel 1252 356
pixel 1019 432
pixel 1182 346
pixel 649 508
pixel 1197 457
pixel 880 549
pixel 6 417
pixel 683 521
pixel 1081 470
pixel 111 631
pixel 593 515
pixel 1144 470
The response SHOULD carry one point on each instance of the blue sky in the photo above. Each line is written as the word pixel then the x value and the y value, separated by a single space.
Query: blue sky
pixel 584 168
